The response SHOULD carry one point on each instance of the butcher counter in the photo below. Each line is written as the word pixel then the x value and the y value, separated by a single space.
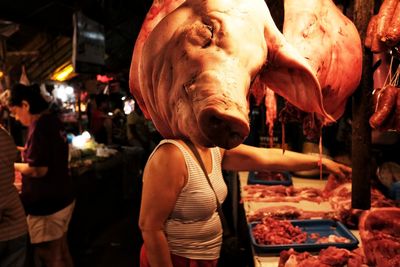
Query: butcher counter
pixel 272 260
pixel 104 191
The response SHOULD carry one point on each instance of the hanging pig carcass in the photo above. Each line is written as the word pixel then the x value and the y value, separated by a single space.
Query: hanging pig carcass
pixel 331 44
pixel 194 62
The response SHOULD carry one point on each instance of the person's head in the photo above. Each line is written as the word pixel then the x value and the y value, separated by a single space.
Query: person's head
pixel 26 101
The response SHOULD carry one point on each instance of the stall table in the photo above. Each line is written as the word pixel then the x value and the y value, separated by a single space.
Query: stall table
pixel 104 190
pixel 272 260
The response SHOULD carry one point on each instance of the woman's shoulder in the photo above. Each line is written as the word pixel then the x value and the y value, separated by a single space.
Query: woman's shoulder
pixel 168 148
pixel 166 160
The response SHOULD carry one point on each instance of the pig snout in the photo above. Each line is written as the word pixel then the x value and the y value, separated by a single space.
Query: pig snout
pixel 226 128
pixel 220 107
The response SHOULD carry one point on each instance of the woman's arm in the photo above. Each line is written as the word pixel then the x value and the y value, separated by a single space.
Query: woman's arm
pixel 27 170
pixel 163 179
pixel 249 158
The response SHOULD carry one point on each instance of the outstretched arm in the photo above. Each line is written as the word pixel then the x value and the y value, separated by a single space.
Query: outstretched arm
pixel 249 158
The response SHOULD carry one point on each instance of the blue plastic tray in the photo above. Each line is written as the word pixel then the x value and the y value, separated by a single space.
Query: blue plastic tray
pixel 322 227
pixel 395 191
pixel 255 178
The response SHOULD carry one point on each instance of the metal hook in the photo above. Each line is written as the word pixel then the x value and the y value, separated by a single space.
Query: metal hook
pixel 395 52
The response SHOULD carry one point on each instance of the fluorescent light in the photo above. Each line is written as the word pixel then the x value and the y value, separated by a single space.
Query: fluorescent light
pixel 63 73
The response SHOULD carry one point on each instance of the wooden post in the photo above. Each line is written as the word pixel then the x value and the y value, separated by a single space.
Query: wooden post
pixel 361 109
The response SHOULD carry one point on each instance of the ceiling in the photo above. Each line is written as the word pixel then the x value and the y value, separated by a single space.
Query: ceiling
pixel 43 37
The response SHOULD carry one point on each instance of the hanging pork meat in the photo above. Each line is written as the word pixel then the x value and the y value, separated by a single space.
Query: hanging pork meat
pixel 386 96
pixel 331 44
pixel 191 72
pixel 260 91
pixel 383 39
pixel 383 30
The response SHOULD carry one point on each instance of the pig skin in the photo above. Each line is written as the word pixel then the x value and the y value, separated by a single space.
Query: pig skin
pixel 191 72
pixel 158 10
pixel 331 44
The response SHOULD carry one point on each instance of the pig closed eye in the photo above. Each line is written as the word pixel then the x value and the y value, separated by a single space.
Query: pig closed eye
pixel 200 35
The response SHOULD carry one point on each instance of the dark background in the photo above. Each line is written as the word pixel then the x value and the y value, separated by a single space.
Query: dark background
pixel 45 31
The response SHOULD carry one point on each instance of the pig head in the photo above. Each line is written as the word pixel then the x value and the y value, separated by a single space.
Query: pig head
pixel 191 71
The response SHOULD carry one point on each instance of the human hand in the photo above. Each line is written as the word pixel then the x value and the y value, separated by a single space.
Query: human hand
pixel 340 170
pixel 18 181
pixel 21 148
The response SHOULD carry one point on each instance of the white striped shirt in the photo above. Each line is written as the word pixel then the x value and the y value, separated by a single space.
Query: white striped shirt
pixel 194 228
pixel 12 214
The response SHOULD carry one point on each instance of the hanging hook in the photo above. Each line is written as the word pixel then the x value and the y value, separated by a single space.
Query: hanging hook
pixel 395 52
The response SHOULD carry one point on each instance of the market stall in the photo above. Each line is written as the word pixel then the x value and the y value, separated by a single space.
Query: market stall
pixel 314 77
pixel 272 259
pixel 105 180
pixel 312 215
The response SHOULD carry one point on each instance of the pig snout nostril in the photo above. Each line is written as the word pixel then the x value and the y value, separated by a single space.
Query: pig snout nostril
pixel 223 129
pixel 215 122
pixel 235 136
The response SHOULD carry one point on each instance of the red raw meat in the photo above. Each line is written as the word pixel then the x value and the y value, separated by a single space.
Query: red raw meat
pixel 386 105
pixel 380 235
pixel 392 33
pixel 332 239
pixel 286 213
pixel 277 232
pixel 385 15
pixel 329 257
pixel 371 29
pixel 338 193
pixel 270 104
pixel 280 193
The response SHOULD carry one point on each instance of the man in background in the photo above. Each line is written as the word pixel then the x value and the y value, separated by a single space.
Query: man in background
pixel 13 226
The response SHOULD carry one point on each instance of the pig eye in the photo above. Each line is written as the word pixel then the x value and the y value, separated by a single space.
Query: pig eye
pixel 200 35
pixel 188 85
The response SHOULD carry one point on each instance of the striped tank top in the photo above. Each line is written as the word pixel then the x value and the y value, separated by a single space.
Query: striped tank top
pixel 194 229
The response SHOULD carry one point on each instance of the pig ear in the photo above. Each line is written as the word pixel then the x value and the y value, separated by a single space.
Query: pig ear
pixel 288 74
